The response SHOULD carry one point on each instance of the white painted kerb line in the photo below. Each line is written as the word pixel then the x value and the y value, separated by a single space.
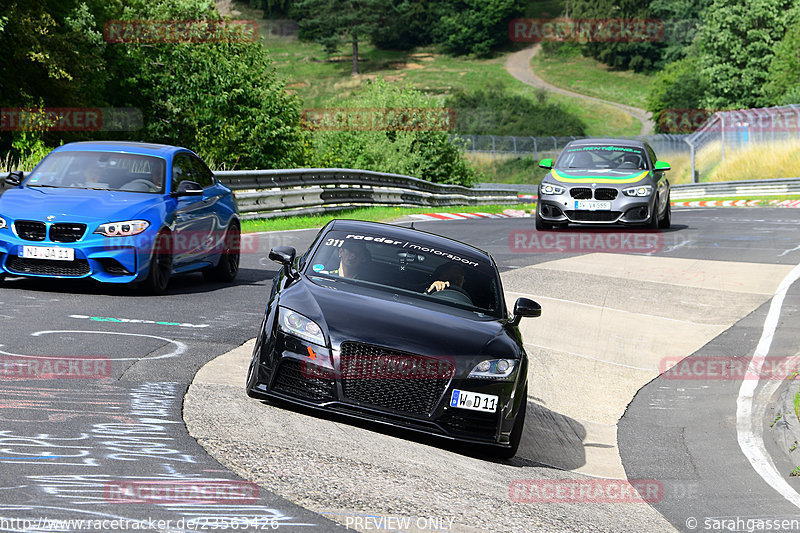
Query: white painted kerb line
pixel 748 426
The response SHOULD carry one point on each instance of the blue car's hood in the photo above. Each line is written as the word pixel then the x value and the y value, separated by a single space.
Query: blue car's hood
pixel 74 205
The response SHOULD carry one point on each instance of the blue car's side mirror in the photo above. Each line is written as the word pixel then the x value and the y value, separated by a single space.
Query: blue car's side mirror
pixel 15 178
pixel 188 188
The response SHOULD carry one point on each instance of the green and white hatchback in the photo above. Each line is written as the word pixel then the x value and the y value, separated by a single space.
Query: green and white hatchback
pixel 604 181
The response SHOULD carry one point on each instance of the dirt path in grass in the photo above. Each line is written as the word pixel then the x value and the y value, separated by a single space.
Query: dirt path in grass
pixel 518 65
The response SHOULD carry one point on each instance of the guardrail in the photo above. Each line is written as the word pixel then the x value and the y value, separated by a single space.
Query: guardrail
pixel 766 187
pixel 306 191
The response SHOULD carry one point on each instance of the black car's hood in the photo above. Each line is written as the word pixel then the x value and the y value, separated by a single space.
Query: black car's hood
pixel 397 321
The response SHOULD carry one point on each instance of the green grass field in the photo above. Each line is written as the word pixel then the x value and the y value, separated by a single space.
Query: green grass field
pixel 584 75
pixel 376 214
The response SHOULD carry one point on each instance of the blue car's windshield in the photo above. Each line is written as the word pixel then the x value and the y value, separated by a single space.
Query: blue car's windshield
pixel 100 170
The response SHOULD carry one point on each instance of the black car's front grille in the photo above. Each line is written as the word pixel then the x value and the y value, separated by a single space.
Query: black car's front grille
pixel 604 193
pixel 295 380
pixel 67 232
pixel 416 393
pixel 593 216
pixel 461 423
pixel 47 267
pixel 581 193
pixel 30 230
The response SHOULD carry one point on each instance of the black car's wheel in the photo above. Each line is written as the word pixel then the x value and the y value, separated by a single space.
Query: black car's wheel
pixel 252 377
pixel 160 265
pixel 228 265
pixel 666 222
pixel 516 433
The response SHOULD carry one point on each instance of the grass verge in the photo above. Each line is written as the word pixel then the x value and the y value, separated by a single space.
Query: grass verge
pixel 374 214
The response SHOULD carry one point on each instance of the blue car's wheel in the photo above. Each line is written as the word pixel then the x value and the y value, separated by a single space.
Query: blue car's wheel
pixel 160 265
pixel 228 265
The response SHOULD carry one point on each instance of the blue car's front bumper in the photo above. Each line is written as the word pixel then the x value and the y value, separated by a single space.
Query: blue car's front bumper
pixel 105 259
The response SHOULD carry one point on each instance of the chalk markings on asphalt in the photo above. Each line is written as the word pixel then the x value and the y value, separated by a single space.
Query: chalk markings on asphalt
pixel 180 347
pixel 749 414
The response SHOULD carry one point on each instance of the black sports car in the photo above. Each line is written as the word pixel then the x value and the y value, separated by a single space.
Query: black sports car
pixel 397 326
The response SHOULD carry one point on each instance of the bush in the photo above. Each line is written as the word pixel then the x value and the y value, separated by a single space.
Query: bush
pixel 494 111
pixel 680 86
pixel 424 154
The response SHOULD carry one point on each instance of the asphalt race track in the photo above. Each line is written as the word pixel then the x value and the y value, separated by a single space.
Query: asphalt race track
pixel 616 314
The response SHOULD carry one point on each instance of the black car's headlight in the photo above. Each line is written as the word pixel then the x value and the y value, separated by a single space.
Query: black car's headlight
pixel 3 224
pixel 126 228
pixel 494 369
pixel 642 190
pixel 296 324
pixel 549 188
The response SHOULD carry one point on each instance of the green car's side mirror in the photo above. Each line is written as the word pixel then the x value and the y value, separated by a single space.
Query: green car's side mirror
pixel 546 163
pixel 662 165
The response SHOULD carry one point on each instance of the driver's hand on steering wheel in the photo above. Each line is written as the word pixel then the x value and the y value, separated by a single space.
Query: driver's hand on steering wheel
pixel 437 286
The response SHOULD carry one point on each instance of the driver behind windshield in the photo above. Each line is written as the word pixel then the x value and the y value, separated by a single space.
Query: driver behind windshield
pixel 446 276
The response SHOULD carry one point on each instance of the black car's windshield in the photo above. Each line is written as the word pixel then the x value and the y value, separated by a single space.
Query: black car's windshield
pixel 415 268
pixel 602 157
pixel 100 170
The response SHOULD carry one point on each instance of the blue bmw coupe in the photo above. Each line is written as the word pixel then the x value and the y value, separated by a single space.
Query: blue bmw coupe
pixel 119 212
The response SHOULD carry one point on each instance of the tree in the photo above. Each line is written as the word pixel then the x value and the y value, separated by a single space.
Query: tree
pixel 329 22
pixel 736 45
pixel 676 96
pixel 783 81
pixel 475 26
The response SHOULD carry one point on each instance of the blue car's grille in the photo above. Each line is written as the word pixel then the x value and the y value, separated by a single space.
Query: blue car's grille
pixel 45 267
pixel 30 230
pixel 67 232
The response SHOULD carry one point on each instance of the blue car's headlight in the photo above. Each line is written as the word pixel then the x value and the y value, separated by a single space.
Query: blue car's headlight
pixel 642 190
pixel 303 327
pixel 549 188
pixel 126 228
pixel 3 224
pixel 493 369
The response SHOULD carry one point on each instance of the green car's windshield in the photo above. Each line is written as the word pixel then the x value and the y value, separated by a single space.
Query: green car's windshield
pixel 602 157
pixel 100 170
pixel 415 269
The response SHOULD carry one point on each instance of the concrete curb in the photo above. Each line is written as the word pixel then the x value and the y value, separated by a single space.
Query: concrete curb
pixel 786 430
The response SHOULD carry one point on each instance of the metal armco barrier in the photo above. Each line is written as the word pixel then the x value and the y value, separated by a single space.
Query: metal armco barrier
pixel 305 191
pixel 736 188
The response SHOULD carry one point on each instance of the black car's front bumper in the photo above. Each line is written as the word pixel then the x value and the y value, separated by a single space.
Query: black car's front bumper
pixel 287 372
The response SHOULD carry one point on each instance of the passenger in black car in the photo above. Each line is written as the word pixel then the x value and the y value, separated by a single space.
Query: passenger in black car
pixel 353 259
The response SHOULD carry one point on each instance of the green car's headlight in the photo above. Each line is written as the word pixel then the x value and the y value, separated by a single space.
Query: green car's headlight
pixel 642 190
pixel 549 188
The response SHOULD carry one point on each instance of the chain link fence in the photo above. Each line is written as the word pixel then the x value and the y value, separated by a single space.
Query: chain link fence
pixel 543 147
pixel 730 133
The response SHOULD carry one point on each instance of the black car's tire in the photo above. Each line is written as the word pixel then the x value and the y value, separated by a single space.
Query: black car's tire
pixel 516 433
pixel 666 222
pixel 160 265
pixel 228 265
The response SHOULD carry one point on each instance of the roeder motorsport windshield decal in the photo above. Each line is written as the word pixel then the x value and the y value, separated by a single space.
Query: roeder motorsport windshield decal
pixel 402 245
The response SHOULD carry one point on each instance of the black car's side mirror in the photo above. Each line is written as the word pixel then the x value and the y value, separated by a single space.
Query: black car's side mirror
pixel 525 307
pixel 285 256
pixel 188 188
pixel 15 178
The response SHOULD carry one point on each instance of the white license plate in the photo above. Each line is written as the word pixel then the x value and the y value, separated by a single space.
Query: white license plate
pixel 592 205
pixel 473 401
pixel 55 253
